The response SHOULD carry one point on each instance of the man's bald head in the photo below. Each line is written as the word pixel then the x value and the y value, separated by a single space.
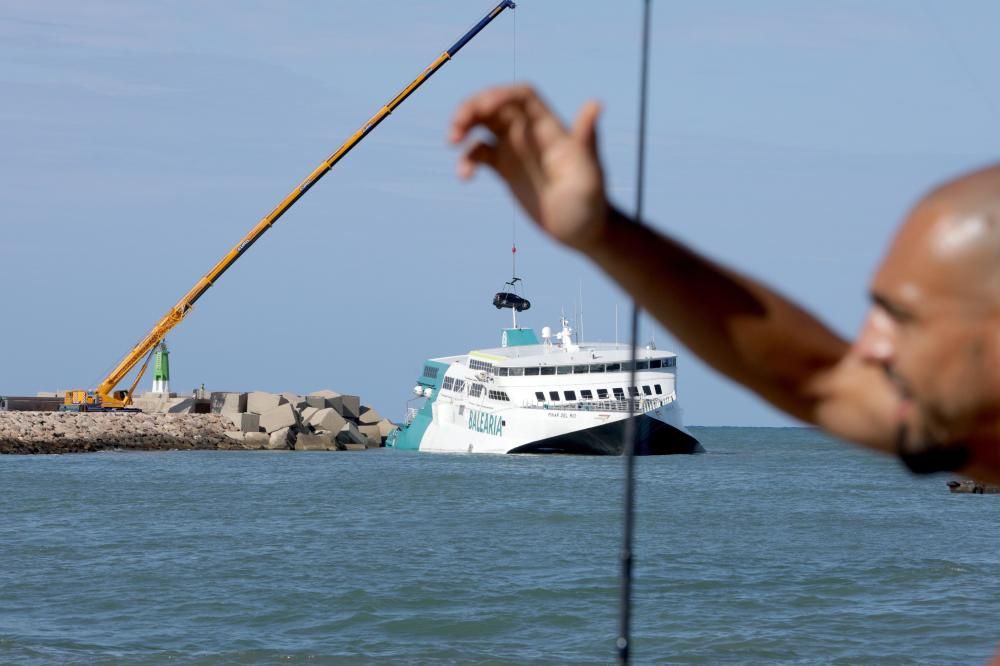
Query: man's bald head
pixel 949 246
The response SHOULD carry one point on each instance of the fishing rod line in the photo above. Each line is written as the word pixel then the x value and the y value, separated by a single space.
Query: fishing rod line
pixel 631 434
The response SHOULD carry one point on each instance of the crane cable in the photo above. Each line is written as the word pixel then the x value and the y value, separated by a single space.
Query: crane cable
pixel 631 435
pixel 513 205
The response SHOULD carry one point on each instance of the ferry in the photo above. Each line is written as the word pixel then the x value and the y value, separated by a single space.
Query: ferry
pixel 548 395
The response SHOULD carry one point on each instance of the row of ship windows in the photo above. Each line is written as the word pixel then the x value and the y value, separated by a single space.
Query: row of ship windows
pixel 602 394
pixel 476 390
pixel 625 366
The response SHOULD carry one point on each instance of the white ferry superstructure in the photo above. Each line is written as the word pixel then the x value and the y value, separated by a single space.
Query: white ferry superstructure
pixel 531 396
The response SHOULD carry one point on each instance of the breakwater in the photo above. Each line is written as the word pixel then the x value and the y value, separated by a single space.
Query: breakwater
pixel 68 432
pixel 321 421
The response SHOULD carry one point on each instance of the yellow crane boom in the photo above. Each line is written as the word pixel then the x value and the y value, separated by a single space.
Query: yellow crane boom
pixel 105 396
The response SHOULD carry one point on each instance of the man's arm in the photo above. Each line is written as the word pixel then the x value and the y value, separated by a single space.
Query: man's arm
pixel 738 326
pixel 750 333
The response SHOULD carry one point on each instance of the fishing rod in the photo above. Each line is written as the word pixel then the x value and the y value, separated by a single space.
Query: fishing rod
pixel 631 436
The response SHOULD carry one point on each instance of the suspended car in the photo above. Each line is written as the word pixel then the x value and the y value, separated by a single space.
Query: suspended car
pixel 506 299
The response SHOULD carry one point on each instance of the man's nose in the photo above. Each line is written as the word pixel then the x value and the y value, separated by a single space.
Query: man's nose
pixel 877 341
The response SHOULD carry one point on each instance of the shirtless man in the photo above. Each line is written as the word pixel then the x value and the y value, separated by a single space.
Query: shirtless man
pixel 922 379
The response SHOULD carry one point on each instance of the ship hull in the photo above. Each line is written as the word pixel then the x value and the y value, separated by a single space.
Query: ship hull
pixel 554 431
pixel 655 438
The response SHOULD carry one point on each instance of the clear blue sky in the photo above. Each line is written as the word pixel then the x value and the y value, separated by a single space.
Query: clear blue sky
pixel 140 141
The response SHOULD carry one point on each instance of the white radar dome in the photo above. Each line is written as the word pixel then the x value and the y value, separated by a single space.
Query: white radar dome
pixel 546 332
pixel 418 390
pixel 428 391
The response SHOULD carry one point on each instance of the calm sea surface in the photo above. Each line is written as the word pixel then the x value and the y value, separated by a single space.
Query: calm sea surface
pixel 778 546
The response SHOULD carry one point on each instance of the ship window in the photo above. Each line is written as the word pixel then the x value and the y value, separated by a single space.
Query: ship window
pixel 646 390
pixel 633 391
pixel 627 366
pixel 642 365
pixel 553 396
pixel 539 396
pixel 614 367
pixel 570 395
pixel 597 368
pixel 459 385
pixel 654 364
pixel 619 393
pixel 602 394
pixel 449 382
pixel 530 372
pixel 499 395
pixel 549 370
pixel 516 372
pixel 581 369
pixel 503 372
pixel 476 364
pixel 658 389
pixel 475 390
pixel 430 371
pixel 586 394
pixel 564 370
pixel 669 362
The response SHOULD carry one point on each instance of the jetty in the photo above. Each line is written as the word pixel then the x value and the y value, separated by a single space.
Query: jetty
pixel 320 421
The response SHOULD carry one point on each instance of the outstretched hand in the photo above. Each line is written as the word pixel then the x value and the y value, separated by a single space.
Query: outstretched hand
pixel 554 172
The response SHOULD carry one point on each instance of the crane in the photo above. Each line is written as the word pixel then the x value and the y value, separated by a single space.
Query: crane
pixel 105 397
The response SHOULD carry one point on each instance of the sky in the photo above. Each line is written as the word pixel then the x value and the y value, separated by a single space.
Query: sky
pixel 141 141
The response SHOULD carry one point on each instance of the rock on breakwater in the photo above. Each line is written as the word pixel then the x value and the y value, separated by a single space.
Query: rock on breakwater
pixel 68 432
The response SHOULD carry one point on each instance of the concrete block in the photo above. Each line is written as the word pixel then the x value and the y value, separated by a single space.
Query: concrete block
pixel 350 434
pixel 355 447
pixel 313 443
pixel 295 400
pixel 245 422
pixel 179 405
pixel 227 402
pixel 348 406
pixel 259 402
pixel 317 401
pixel 256 440
pixel 150 403
pixel 385 426
pixel 372 434
pixel 327 419
pixel 282 416
pixel 326 394
pixel 307 413
pixel 236 435
pixel 331 440
pixel 369 416
pixel 280 439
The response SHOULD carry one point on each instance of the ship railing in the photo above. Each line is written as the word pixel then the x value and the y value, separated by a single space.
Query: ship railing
pixel 624 405
pixel 411 413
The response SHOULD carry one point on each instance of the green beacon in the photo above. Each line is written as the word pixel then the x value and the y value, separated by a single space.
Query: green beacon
pixel 161 369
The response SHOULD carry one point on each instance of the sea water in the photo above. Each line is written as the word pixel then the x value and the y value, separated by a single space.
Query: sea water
pixel 778 546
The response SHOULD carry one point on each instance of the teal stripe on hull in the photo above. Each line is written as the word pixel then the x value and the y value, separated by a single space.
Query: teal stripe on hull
pixel 408 436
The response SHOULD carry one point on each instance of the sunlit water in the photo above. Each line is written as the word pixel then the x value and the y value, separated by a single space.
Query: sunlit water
pixel 778 546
